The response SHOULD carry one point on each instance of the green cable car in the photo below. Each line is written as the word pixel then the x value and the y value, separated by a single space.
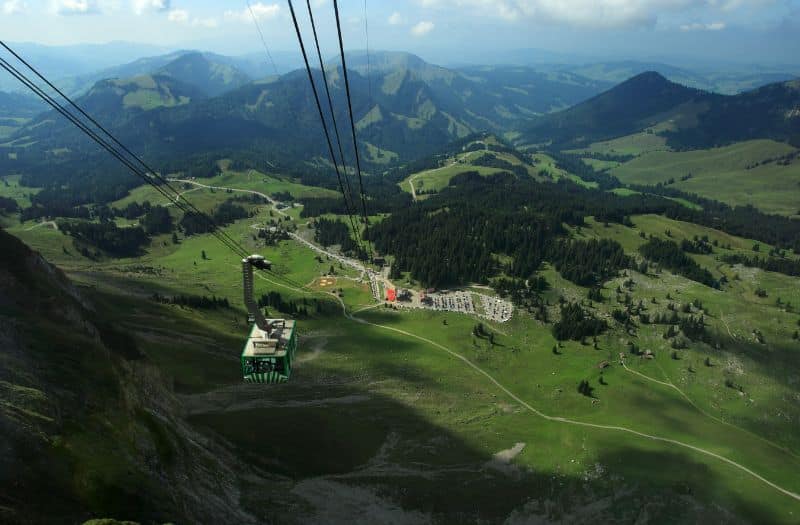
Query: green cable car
pixel 268 354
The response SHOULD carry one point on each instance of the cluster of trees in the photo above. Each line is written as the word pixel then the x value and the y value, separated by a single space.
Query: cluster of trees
pixel 697 245
pixel 63 210
pixel 194 223
pixel 481 332
pixel 333 231
pixel 133 210
pixel 693 327
pixel 8 205
pixel 456 236
pixel 193 301
pixel 314 207
pixel 669 255
pixel 525 294
pixel 118 242
pixel 576 324
pixel 157 220
pixel 588 263
pixel 585 389
pixel 771 264
pixel 276 300
pixel 491 161
pixel 611 157
pixel 574 164
pixel 283 196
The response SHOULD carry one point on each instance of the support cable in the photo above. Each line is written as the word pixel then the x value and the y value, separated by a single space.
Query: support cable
pixel 226 240
pixel 148 170
pixel 352 124
pixel 330 104
pixel 322 120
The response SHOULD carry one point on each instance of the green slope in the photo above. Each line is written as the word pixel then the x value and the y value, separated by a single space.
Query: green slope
pixel 752 172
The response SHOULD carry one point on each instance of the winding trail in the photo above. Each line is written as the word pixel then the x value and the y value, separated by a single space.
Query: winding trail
pixel 559 419
pixel 51 224
pixel 413 190
pixel 181 194
pixel 223 188
pixel 689 400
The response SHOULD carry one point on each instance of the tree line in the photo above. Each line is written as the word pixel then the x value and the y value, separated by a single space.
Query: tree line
pixel 669 255
pixel 785 266
pixel 193 301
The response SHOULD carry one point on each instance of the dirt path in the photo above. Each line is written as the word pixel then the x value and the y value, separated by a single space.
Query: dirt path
pixel 269 199
pixel 51 224
pixel 181 194
pixel 413 177
pixel 727 326
pixel 710 416
pixel 547 417
pixel 564 420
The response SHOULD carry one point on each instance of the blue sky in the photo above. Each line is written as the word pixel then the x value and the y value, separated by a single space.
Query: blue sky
pixel 440 30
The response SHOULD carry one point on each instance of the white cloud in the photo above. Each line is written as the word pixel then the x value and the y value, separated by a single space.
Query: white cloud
pixel 75 7
pixel 260 11
pixel 422 28
pixel 588 13
pixel 12 7
pixel 144 6
pixel 205 22
pixel 714 26
pixel 182 16
pixel 395 19
pixel 179 16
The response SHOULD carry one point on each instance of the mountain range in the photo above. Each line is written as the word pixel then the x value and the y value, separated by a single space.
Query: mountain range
pixel 403 106
pixel 201 105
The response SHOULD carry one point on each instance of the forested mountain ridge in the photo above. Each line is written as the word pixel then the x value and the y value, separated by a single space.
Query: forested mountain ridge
pixel 772 111
pixel 19 105
pixel 631 106
pixel 688 118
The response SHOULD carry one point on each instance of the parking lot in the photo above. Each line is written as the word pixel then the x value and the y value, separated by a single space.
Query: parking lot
pixel 496 309
pixel 453 302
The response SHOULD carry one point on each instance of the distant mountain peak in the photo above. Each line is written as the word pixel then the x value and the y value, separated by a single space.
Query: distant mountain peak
pixel 198 69
pixel 649 76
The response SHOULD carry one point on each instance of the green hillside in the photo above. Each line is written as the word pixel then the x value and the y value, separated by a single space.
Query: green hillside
pixel 638 103
pixel 762 173
pixel 686 118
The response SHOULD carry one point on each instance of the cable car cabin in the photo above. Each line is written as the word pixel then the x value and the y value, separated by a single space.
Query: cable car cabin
pixel 269 351
pixel 268 357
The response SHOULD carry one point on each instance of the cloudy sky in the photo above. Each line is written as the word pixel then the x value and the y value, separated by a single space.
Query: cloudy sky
pixel 440 30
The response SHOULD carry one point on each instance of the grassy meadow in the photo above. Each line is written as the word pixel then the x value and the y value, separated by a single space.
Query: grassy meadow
pixel 745 173
pixel 401 401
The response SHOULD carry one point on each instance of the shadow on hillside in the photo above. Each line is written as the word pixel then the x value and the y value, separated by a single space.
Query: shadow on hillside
pixel 331 447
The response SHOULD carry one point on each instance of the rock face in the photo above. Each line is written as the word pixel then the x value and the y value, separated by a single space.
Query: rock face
pixel 88 427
